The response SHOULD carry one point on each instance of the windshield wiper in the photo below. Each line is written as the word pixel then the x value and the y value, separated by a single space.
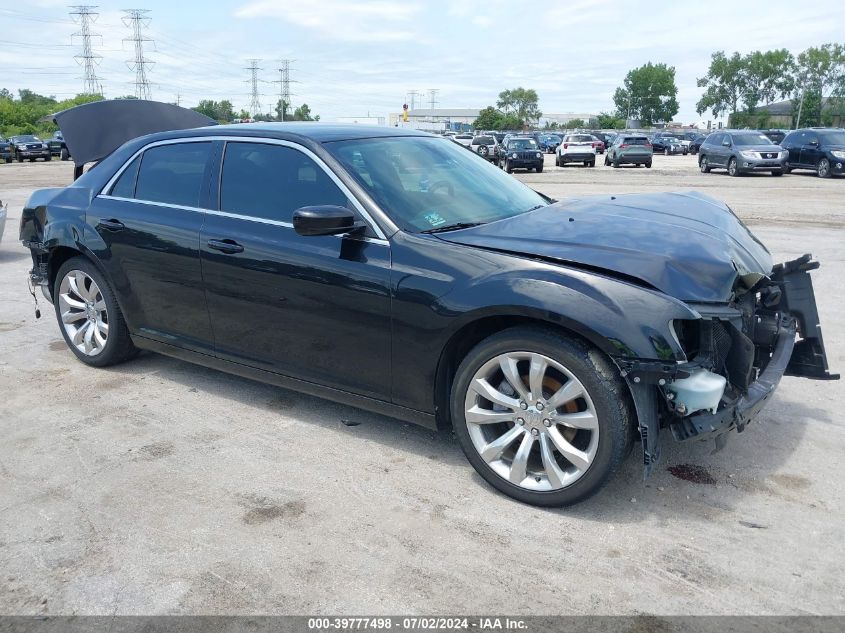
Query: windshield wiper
pixel 452 227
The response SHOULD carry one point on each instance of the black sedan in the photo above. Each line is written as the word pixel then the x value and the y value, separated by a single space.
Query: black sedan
pixel 668 145
pixel 394 271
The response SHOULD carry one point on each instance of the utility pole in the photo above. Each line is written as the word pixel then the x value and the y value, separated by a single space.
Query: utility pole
pixel 801 104
pixel 84 15
pixel 413 98
pixel 178 98
pixel 137 20
pixel 432 95
pixel 254 103
pixel 284 85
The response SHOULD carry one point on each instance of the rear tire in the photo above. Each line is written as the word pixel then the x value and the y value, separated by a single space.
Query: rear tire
pixel 579 460
pixel 82 291
pixel 607 160
pixel 616 162
pixel 49 157
pixel 787 169
pixel 648 165
pixel 592 163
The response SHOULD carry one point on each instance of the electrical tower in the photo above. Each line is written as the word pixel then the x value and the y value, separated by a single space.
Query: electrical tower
pixel 137 20
pixel 284 82
pixel 85 16
pixel 413 98
pixel 255 102
pixel 432 95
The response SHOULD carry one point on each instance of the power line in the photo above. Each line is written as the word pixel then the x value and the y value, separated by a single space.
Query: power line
pixel 254 103
pixel 85 16
pixel 137 20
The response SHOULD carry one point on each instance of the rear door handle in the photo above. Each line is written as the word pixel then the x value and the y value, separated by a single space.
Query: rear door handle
pixel 110 224
pixel 227 246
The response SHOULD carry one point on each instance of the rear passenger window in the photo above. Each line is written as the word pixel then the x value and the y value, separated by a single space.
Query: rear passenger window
pixel 173 173
pixel 125 185
pixel 272 181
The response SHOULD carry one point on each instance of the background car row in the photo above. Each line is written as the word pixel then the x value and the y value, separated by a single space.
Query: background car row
pixel 29 147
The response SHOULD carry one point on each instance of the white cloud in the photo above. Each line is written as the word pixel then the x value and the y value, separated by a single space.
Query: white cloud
pixel 374 21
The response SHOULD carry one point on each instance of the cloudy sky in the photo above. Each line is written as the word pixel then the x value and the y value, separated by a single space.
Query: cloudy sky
pixel 354 58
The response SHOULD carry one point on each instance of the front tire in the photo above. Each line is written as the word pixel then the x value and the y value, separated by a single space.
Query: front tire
pixel 540 169
pixel 570 436
pixel 704 165
pixel 88 314
pixel 823 168
pixel 64 154
pixel 733 170
pixel 508 167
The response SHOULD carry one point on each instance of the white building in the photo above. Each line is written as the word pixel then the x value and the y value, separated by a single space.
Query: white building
pixel 362 120
pixel 448 118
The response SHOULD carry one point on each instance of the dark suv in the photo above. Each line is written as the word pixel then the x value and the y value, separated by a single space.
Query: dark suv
pixel 520 152
pixel 819 149
pixel 741 152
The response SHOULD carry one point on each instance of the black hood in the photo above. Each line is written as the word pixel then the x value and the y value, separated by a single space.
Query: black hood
pixel 686 245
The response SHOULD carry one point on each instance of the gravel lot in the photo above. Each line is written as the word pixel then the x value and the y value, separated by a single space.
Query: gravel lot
pixel 161 487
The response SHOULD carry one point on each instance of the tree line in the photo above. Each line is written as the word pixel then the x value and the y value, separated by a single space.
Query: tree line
pixel 28 112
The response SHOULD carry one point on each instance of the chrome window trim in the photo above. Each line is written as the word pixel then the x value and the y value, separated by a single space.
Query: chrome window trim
pixel 243 139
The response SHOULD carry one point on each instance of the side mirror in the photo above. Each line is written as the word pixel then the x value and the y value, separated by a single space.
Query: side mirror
pixel 325 220
pixel 814 142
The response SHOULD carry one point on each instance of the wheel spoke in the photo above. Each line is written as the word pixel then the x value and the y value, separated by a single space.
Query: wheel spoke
pixel 578 458
pixel 494 449
pixel 509 369
pixel 477 415
pixel 76 339
pixel 535 376
pixel 571 390
pixel 100 305
pixel 581 420
pixel 72 317
pixel 89 336
pixel 72 303
pixel 553 471
pixel 519 466
pixel 484 388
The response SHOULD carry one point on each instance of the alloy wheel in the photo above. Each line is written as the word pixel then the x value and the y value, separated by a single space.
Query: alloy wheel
pixel 83 312
pixel 824 168
pixel 532 421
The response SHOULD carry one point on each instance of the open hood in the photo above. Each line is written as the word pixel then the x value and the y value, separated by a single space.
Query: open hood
pixel 686 245
pixel 94 130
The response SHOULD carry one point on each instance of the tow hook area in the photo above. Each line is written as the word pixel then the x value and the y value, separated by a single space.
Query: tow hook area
pixel 642 378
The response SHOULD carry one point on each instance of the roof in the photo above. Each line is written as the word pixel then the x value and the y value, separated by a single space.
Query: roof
pixel 319 132
pixel 779 108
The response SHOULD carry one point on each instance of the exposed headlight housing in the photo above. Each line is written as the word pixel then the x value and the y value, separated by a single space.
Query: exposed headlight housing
pixel 749 154
pixel 838 153
pixel 785 153
pixel 539 155
pixel 21 146
pixel 513 155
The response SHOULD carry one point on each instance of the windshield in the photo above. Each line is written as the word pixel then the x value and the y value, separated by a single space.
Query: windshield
pixel 483 140
pixel 27 138
pixel 579 138
pixel 833 138
pixel 522 143
pixel 751 139
pixel 426 183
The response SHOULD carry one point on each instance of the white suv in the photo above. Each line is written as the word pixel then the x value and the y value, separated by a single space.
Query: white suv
pixel 576 148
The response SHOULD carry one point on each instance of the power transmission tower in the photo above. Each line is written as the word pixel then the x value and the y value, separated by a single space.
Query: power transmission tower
pixel 284 82
pixel 84 15
pixel 137 20
pixel 255 102
pixel 432 95
pixel 413 98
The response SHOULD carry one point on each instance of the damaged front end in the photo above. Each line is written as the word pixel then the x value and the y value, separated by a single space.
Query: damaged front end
pixel 736 356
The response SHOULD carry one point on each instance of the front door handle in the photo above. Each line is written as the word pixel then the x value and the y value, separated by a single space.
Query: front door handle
pixel 227 246
pixel 110 224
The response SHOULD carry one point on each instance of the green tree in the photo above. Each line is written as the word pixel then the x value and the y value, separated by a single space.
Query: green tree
pixel 649 94
pixel 282 110
pixel 520 103
pixel 820 74
pixel 574 124
pixel 488 119
pixel 303 113
pixel 221 111
pixel 768 76
pixel 608 121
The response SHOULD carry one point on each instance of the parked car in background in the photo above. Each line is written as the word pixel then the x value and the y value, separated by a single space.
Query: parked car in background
pixel 604 137
pixel 741 152
pixel 27 146
pixel 630 149
pixel 775 136
pixel 58 147
pixel 463 139
pixel 695 143
pixel 599 144
pixel 576 148
pixel 549 142
pixel 819 149
pixel 486 147
pixel 520 152
pixel 668 145
pixel 5 150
